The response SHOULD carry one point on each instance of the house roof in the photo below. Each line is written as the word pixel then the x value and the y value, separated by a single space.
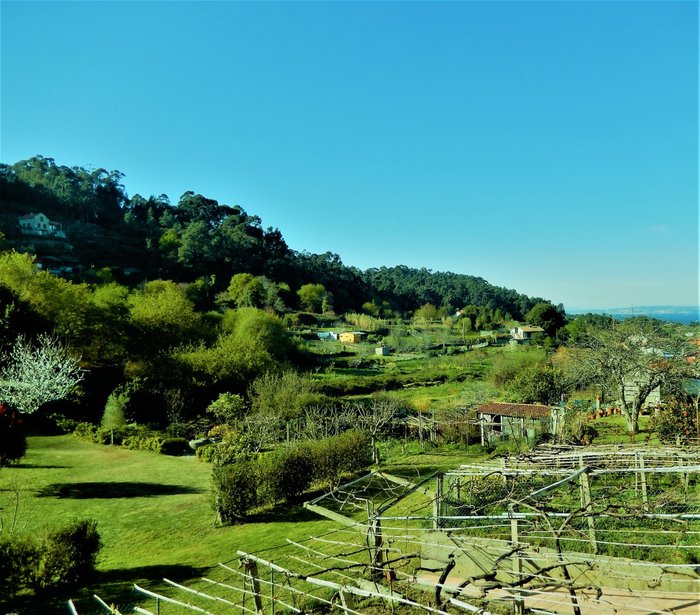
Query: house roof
pixel 531 328
pixel 533 411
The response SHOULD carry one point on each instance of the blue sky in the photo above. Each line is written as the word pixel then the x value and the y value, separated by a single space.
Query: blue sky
pixel 550 147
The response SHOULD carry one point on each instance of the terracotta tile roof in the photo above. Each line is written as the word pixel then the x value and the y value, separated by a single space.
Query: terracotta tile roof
pixel 534 411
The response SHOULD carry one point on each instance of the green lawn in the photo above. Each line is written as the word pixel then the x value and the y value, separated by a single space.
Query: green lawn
pixel 153 514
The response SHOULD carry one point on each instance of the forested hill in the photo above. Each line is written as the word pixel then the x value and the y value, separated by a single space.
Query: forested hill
pixel 200 239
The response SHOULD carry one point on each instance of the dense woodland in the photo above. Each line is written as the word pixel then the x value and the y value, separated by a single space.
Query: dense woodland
pixel 144 238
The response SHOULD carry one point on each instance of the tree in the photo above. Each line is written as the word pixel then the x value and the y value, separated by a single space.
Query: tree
pixel 547 316
pixel 228 408
pixel 539 384
pixel 246 290
pixel 284 395
pixel 633 358
pixel 427 313
pixel 312 296
pixel 163 316
pixel 375 416
pixel 37 374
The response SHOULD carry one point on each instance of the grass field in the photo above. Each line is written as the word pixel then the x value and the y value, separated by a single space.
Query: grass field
pixel 153 513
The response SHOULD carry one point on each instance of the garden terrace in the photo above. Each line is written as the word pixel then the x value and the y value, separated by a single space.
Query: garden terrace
pixel 603 535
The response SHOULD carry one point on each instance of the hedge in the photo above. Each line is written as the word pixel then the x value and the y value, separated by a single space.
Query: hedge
pixel 286 473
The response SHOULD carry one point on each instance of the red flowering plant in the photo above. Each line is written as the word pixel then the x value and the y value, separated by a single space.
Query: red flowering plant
pixel 13 441
pixel 674 422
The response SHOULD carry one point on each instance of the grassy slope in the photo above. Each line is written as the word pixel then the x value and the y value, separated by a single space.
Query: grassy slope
pixel 153 513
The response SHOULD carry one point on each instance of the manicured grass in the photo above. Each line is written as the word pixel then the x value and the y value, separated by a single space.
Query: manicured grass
pixel 153 513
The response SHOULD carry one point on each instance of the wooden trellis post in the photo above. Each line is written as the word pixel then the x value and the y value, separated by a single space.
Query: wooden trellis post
pixel 643 481
pixel 587 506
pixel 516 558
pixel 252 580
pixel 437 503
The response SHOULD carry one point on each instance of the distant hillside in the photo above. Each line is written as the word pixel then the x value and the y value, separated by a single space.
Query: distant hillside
pixel 142 238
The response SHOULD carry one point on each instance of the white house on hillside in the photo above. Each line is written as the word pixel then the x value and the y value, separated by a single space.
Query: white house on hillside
pixel 525 332
pixel 39 224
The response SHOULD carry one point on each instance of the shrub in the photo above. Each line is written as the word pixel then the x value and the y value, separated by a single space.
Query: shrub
pixel 86 431
pixel 64 423
pixel 235 491
pixel 222 453
pixel 576 428
pixel 175 446
pixel 13 441
pixel 285 474
pixel 347 452
pixel 19 563
pixel 674 423
pixel 64 556
pixel 69 554
pixel 143 442
pixel 227 408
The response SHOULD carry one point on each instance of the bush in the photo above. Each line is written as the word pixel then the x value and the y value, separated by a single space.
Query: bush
pixel 281 475
pixel 13 441
pixel 175 446
pixel 64 423
pixel 143 442
pixel 235 491
pixel 347 452
pixel 674 423
pixel 19 562
pixel 86 431
pixel 70 554
pixel 67 555
pixel 222 453
pixel 285 474
pixel 576 428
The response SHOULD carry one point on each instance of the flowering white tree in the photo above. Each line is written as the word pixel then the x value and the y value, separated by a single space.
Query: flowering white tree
pixel 36 373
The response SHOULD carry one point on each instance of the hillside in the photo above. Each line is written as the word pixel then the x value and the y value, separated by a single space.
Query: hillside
pixel 141 238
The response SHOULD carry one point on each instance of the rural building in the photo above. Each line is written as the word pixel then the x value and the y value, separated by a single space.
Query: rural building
pixel 525 332
pixel 501 421
pixel 327 335
pixel 632 389
pixel 351 337
pixel 382 351
pixel 40 225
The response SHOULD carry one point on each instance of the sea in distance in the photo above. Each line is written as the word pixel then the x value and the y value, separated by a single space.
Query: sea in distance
pixel 672 313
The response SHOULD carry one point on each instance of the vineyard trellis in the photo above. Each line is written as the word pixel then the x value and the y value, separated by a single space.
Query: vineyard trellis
pixel 559 530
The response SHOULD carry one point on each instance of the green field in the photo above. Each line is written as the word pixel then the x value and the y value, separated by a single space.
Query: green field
pixel 153 513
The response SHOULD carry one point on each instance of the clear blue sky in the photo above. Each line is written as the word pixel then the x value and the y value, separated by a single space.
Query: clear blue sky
pixel 550 147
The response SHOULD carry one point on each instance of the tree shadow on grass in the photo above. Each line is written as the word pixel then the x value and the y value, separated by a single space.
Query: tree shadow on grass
pixel 108 490
pixel 22 466
pixel 115 587
pixel 284 513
